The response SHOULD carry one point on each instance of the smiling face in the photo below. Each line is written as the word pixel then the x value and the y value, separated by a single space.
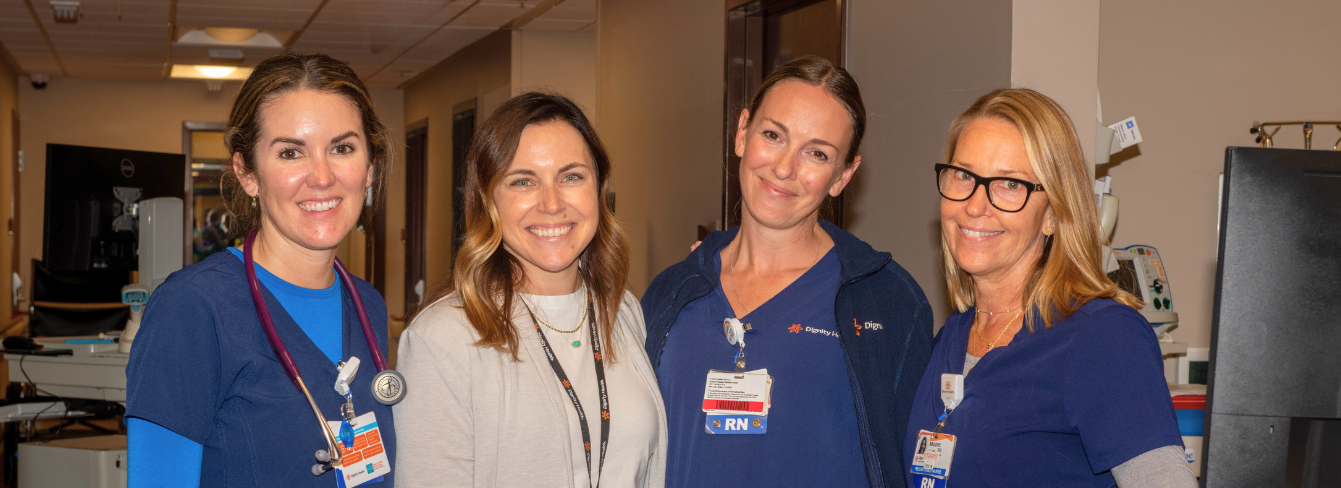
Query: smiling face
pixel 986 242
pixel 311 168
pixel 547 201
pixel 792 154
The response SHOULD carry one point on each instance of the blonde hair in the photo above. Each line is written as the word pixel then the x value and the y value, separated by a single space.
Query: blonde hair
pixel 1070 272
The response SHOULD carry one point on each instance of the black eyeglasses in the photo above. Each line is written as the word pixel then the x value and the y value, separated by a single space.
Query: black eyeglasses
pixel 1006 194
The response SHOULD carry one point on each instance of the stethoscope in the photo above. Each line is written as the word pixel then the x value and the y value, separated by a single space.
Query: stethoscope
pixel 388 386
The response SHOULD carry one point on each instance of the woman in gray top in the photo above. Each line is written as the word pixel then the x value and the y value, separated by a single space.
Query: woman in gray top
pixel 527 365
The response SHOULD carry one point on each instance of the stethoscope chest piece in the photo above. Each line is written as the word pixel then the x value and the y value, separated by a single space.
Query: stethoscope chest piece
pixel 388 387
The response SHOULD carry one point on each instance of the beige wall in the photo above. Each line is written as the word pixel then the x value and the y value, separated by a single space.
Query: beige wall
pixel 1055 50
pixel 912 89
pixel 481 71
pixel 559 62
pixel 9 100
pixel 660 110
pixel 1196 82
pixel 140 115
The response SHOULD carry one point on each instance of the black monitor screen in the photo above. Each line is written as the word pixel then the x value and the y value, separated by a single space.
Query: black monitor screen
pixel 87 226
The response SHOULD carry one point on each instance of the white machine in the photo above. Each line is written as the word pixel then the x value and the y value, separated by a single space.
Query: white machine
pixel 84 462
pixel 160 249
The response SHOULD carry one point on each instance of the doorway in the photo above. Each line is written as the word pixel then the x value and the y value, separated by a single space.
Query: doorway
pixel 761 35
pixel 463 129
pixel 207 217
pixel 416 191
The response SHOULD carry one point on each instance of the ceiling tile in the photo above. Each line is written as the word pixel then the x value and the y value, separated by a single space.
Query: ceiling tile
pixel 542 24
pixel 275 18
pixel 493 13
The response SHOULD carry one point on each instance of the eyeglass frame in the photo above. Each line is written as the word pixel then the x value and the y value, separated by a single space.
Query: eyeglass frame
pixel 985 183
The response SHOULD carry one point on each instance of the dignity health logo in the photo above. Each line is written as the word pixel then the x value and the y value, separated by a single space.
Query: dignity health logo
pixel 812 330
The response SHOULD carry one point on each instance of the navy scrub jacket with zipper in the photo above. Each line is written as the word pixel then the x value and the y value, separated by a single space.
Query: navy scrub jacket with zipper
pixel 887 346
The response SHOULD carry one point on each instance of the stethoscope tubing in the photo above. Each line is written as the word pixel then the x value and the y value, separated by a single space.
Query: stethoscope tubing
pixel 282 353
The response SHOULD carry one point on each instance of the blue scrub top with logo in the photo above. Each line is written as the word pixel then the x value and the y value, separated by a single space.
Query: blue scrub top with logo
pixel 1058 406
pixel 812 425
pixel 202 367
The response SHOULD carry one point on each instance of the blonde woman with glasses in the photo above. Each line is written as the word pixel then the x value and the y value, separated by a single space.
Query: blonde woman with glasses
pixel 1046 375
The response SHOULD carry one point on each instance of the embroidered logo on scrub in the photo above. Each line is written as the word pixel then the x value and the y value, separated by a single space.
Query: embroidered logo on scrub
pixel 797 329
pixel 867 326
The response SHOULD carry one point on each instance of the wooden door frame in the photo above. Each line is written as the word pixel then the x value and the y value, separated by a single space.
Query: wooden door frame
pixel 413 235
pixel 458 155
pixel 188 206
pixel 743 49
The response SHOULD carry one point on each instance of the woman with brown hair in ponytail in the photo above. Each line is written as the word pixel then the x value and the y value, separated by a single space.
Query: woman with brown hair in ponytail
pixel 527 363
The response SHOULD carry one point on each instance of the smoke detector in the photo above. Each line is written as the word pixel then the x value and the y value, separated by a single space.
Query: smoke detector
pixel 66 12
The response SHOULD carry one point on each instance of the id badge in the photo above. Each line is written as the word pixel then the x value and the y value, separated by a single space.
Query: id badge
pixel 933 456
pixel 737 403
pixel 366 461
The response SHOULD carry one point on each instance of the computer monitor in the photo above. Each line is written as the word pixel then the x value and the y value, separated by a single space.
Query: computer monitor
pixel 1274 391
pixel 89 191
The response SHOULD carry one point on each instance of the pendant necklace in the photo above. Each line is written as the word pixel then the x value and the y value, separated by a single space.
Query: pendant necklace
pixel 582 321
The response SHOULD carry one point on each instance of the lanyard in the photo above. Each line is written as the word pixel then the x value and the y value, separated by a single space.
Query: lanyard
pixel 572 395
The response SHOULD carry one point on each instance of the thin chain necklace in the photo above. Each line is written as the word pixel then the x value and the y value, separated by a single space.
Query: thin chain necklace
pixel 819 242
pixel 989 314
pixel 992 345
pixel 581 322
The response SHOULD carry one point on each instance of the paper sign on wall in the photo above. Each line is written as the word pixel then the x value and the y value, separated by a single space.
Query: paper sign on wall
pixel 1127 133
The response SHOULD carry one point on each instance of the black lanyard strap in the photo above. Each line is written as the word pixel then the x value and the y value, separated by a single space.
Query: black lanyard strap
pixel 572 395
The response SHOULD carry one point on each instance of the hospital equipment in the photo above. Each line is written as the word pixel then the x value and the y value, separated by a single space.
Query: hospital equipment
pixel 82 462
pixel 388 387
pixel 1274 416
pixel 136 295
pixel 92 193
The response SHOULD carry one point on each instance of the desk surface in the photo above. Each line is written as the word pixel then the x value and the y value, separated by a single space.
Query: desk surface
pixel 93 371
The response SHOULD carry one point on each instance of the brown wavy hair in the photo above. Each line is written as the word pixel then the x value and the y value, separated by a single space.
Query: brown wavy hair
pixel 816 71
pixel 1070 273
pixel 486 276
pixel 269 80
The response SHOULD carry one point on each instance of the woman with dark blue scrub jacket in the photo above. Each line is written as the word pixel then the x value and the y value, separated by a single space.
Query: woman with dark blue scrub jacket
pixel 208 403
pixel 842 329
pixel 1077 399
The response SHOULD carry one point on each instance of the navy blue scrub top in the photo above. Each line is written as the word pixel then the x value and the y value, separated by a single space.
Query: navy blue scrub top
pixel 202 367
pixel 812 424
pixel 1056 407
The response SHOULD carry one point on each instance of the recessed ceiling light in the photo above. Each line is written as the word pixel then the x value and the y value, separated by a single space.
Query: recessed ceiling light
pixel 231 37
pixel 206 72
pixel 216 71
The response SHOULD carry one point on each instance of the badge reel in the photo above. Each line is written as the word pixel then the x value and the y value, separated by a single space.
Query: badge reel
pixel 935 450
pixel 364 459
pixel 737 402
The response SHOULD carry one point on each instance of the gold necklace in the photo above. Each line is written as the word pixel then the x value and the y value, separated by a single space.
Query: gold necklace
pixel 992 345
pixel 582 321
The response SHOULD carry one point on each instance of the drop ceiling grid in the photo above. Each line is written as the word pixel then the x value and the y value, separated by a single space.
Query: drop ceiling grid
pixel 265 18
pixel 365 33
pixel 493 13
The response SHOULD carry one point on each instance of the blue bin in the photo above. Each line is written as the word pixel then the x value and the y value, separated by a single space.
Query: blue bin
pixel 1191 421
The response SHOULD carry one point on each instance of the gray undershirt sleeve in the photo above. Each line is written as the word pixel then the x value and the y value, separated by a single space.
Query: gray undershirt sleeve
pixel 1165 467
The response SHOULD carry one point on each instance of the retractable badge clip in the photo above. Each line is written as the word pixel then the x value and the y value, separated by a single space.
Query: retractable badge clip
pixel 348 369
pixel 735 334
